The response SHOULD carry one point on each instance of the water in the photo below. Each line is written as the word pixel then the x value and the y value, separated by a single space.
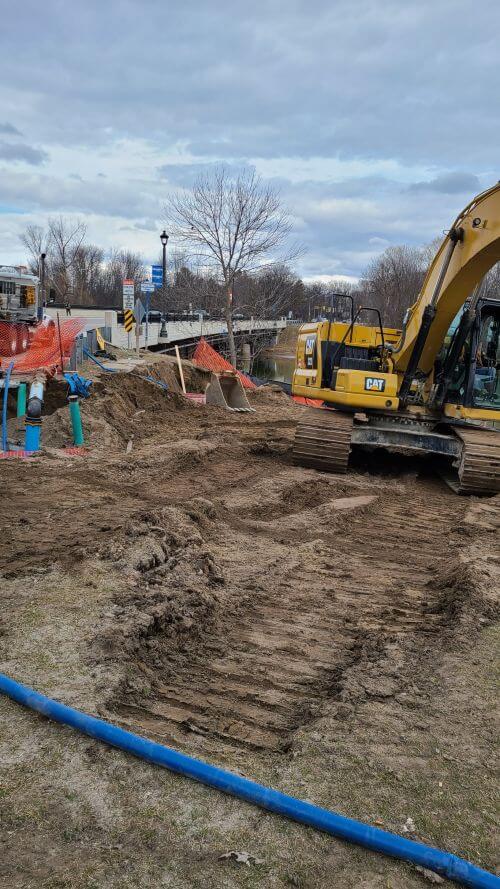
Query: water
pixel 279 369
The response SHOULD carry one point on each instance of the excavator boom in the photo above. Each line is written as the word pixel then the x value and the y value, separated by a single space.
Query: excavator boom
pixel 475 250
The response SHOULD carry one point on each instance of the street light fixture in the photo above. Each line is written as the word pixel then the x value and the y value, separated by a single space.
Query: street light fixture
pixel 164 242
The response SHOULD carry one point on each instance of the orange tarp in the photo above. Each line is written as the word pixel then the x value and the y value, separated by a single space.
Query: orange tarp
pixel 207 358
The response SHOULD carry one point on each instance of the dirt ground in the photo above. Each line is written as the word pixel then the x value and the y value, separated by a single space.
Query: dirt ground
pixel 331 636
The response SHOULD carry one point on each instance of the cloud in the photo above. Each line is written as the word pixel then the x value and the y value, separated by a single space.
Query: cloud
pixel 355 110
pixel 17 152
pixel 449 183
pixel 8 130
pixel 184 175
pixel 127 199
pixel 364 79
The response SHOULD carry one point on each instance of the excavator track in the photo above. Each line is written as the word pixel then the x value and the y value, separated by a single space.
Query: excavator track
pixel 479 467
pixel 323 440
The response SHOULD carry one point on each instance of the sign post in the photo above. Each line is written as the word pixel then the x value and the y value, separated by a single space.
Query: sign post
pixel 128 305
pixel 148 288
pixel 138 315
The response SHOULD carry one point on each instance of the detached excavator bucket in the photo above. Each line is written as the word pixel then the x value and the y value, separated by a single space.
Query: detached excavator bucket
pixel 225 390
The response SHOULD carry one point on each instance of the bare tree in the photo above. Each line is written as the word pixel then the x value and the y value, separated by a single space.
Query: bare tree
pixel 393 281
pixel 231 224
pixel 116 267
pixel 61 241
pixel 35 240
pixel 64 241
pixel 273 291
pixel 490 285
pixel 86 273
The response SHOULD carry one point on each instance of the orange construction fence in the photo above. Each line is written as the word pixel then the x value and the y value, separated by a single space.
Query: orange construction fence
pixel 207 358
pixel 310 402
pixel 46 343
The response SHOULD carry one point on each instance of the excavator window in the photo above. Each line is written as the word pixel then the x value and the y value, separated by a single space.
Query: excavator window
pixel 310 352
pixel 476 376
pixel 458 386
pixel 486 383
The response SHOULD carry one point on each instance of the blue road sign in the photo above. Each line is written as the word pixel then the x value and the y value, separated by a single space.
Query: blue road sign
pixel 157 274
pixel 147 287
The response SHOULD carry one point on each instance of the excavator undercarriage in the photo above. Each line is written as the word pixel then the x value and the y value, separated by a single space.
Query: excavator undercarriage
pixel 469 458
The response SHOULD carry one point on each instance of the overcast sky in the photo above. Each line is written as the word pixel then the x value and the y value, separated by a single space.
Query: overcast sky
pixel 378 119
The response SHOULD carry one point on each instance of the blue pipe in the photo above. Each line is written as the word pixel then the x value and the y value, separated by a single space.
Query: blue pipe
pixel 443 863
pixel 6 384
pixel 32 434
pixel 115 370
pixel 110 370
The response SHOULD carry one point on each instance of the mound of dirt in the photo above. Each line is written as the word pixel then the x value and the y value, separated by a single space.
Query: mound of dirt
pixel 167 371
pixel 270 393
pixel 122 408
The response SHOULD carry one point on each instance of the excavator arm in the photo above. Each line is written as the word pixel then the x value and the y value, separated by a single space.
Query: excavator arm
pixel 469 250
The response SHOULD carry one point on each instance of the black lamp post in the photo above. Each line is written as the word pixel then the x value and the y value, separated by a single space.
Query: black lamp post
pixel 164 242
pixel 42 299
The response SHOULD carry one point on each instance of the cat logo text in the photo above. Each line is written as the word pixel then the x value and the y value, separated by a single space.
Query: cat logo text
pixel 374 384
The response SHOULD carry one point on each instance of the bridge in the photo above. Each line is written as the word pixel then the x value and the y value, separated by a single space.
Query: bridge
pixel 182 333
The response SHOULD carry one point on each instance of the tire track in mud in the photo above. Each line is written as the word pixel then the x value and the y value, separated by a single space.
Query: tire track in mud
pixel 333 586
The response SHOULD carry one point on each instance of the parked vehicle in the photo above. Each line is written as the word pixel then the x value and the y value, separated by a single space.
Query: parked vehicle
pixel 19 295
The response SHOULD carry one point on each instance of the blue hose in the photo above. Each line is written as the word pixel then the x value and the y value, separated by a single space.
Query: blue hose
pixel 115 370
pixel 6 384
pixel 443 863
pixel 110 370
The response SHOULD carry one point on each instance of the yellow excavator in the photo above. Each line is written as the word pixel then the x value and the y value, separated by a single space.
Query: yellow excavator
pixel 432 387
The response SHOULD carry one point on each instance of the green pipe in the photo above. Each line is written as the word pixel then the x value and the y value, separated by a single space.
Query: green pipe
pixel 21 400
pixel 76 419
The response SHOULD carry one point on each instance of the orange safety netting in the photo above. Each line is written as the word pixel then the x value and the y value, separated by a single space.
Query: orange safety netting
pixel 208 359
pixel 44 347
pixel 310 402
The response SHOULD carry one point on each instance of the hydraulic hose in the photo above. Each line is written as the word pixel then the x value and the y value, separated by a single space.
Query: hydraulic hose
pixel 6 384
pixel 443 863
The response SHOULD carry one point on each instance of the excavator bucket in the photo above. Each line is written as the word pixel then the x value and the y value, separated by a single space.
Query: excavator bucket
pixel 225 390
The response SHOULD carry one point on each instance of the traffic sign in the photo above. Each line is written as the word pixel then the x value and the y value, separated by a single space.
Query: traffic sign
pixel 128 294
pixel 139 311
pixel 147 287
pixel 157 275
pixel 128 320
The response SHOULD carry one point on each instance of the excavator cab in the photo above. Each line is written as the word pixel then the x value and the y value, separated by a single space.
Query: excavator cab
pixel 473 359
